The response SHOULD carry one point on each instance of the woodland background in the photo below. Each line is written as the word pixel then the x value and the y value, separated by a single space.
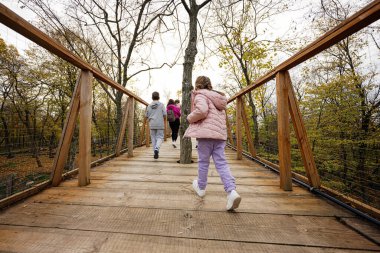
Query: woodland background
pixel 338 90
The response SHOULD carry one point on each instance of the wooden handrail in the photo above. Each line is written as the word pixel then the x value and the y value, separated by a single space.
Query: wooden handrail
pixel 359 20
pixel 23 27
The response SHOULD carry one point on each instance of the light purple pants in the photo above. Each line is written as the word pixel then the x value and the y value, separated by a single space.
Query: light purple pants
pixel 214 148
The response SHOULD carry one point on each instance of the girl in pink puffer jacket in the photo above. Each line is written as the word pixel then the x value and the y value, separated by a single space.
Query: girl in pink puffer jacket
pixel 208 124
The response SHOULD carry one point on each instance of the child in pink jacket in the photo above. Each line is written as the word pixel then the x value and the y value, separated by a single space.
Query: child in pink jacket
pixel 208 124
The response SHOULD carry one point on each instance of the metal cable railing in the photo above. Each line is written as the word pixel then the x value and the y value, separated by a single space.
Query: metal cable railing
pixel 45 135
pixel 343 148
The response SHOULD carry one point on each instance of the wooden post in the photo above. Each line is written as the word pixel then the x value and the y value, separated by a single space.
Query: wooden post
pixel 239 136
pixel 131 125
pixel 283 132
pixel 85 110
pixel 229 133
pixel 67 135
pixel 303 141
pixel 123 125
pixel 251 147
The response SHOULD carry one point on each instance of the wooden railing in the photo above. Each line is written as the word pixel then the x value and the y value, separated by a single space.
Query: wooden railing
pixel 80 105
pixel 288 104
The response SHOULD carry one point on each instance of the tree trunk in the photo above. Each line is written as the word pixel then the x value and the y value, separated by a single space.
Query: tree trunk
pixel 119 110
pixel 344 159
pixel 190 53
pixel 7 138
pixel 73 151
pixel 32 135
pixel 52 144
pixel 254 118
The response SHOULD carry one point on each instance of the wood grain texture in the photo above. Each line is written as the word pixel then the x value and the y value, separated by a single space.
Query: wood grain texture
pixel 141 204
pixel 301 135
pixel 247 129
pixel 85 110
pixel 37 240
pixel 131 125
pixel 283 132
pixel 67 135
pixel 239 133
pixel 123 126
pixel 229 132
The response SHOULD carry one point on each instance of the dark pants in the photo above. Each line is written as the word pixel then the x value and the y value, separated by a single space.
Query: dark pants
pixel 174 126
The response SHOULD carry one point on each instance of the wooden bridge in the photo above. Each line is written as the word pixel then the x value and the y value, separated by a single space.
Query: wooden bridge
pixel 140 204
pixel 132 202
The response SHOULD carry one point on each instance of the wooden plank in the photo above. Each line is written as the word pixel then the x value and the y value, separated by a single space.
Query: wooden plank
pixel 248 133
pixel 67 134
pixel 125 202
pixel 130 168
pixel 367 229
pixel 23 27
pixel 338 195
pixel 97 175
pixel 356 22
pixel 262 190
pixel 36 240
pixel 85 110
pixel 131 125
pixel 283 132
pixel 24 194
pixel 303 141
pixel 123 126
pixel 242 227
pixel 239 134
pixel 229 132
pixel 182 198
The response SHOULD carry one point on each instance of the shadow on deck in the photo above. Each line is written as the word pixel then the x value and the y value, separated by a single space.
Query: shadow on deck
pixel 144 205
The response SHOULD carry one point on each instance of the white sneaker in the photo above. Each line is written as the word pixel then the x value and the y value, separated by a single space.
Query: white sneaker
pixel 233 200
pixel 200 193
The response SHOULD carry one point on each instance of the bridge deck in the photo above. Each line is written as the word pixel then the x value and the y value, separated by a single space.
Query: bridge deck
pixel 144 205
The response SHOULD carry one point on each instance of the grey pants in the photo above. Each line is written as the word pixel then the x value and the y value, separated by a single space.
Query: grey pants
pixel 157 137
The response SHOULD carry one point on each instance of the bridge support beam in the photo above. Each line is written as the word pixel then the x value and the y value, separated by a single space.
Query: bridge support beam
pixel 303 141
pixel 229 133
pixel 67 135
pixel 131 125
pixel 239 135
pixel 248 133
pixel 123 126
pixel 283 132
pixel 85 117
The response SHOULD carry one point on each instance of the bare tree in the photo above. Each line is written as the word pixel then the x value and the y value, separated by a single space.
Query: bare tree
pixel 115 36
pixel 192 10
pixel 243 52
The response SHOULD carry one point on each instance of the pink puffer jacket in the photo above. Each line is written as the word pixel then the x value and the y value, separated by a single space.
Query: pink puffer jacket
pixel 208 118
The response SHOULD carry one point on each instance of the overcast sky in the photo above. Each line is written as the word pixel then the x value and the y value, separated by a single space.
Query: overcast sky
pixel 168 81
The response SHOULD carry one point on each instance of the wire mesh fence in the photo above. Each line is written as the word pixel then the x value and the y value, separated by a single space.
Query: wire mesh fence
pixel 35 95
pixel 342 127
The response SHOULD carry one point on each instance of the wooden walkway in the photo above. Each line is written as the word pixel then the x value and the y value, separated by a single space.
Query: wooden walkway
pixel 144 205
